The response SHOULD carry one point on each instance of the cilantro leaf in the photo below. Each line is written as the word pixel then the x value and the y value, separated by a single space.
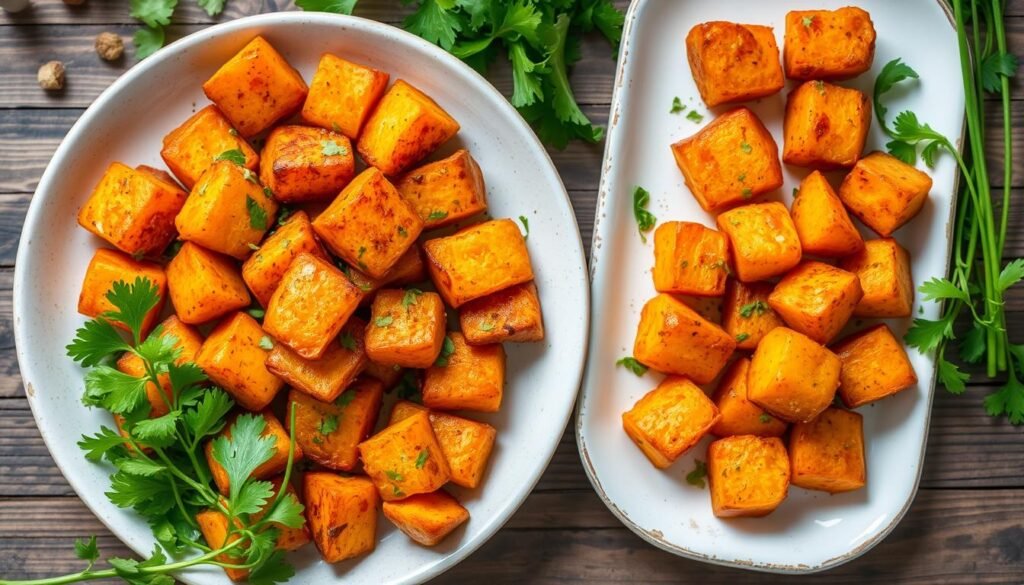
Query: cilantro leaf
pixel 995 67
pixel 328 424
pixel 633 365
pixel 436 22
pixel 645 220
pixel 894 72
pixel 95 341
pixel 244 451
pixel 904 151
pixel 155 13
pixel 212 7
pixel 102 444
pixel 132 302
pixel 332 148
pixel 207 418
pixel 421 459
pixel 972 345
pixel 925 334
pixel 114 390
pixel 410 296
pixel 147 40
pixel 951 377
pixel 157 432
pixel 273 570
pixel 938 289
pixel 526 225
pixel 677 106
pixel 347 340
pixel 1011 274
pixel 140 466
pixel 1008 400
pixel 235 155
pixel 696 477
pixel 447 349
pixel 87 550
pixel 287 512
pixel 750 309
pixel 345 398
pixel 694 116
pixel 252 496
pixel 335 6
pixel 527 76
pixel 257 215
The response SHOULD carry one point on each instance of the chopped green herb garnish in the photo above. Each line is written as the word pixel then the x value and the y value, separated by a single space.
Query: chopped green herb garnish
pixel 752 308
pixel 347 340
pixel 765 418
pixel 645 220
pixel 486 327
pixel 257 215
pixel 256 313
pixel 526 225
pixel 807 21
pixel 345 398
pixel 694 116
pixel 747 193
pixel 328 424
pixel 447 349
pixel 677 106
pixel 393 475
pixel 820 86
pixel 234 155
pixel 402 231
pixel 266 343
pixel 421 459
pixel 383 321
pixel 696 477
pixel 410 297
pixel 742 337
pixel 332 148
pixel 631 364
pixel 437 215
pixel 745 147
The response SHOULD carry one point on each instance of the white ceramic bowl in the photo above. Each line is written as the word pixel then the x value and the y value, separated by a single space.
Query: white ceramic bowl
pixel 127 122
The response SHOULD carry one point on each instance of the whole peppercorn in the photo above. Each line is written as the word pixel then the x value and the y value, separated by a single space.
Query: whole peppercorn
pixel 51 76
pixel 109 46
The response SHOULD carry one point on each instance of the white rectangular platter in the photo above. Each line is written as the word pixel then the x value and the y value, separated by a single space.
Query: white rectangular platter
pixel 810 531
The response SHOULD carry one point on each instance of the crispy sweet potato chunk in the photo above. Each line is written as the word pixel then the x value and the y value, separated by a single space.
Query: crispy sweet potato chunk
pixel 825 126
pixel 427 518
pixel 406 328
pixel 342 95
pixel 191 148
pixel 690 259
pixel 821 221
pixel 342 514
pixel 466 444
pixel 234 357
pixel 512 314
pixel 669 420
pixel 276 464
pixel 875 365
pixel 204 285
pixel 763 238
pixel 828 44
pixel 733 62
pixel 746 314
pixel 445 191
pixel 466 377
pixel 827 453
pixel 791 376
pixel 739 415
pixel 110 266
pixel 299 163
pixel 749 475
pixel 674 339
pixel 884 192
pixel 256 88
pixel 263 271
pixel 409 269
pixel 730 161
pixel 188 341
pixel 883 268
pixel 324 378
pixel 404 459
pixel 133 210
pixel 329 432
pixel 816 299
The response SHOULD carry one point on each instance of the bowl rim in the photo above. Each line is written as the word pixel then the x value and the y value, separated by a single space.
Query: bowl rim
pixel 388 33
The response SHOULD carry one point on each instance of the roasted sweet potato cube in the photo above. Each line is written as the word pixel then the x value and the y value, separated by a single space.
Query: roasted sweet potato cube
pixel 300 164
pixel 739 415
pixel 133 210
pixel 227 211
pixel 763 239
pixel 828 44
pixel 342 514
pixel 512 314
pixel 884 192
pixel 791 376
pixel 342 94
pixel 191 148
pixel 827 453
pixel 825 126
pixel 466 377
pixel 324 378
pixel 875 365
pixel 466 444
pixel 746 314
pixel 234 357
pixel 108 267
pixel 479 260
pixel 821 221
pixel 690 259
pixel 669 420
pixel 729 161
pixel 406 328
pixel 312 304
pixel 883 268
pixel 404 128
pixel 204 285
pixel 369 224
pixel 405 459
pixel 256 88
pixel 277 462
pixel 816 299
pixel 427 518
pixel 388 375
pixel 187 340
pixel 445 191
pixel 329 432
pixel 408 270
pixel 263 271
pixel 674 339
pixel 288 539
pixel 749 475
pixel 213 524
pixel 733 62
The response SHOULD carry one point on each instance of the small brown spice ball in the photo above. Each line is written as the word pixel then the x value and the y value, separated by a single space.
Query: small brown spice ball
pixel 109 46
pixel 51 75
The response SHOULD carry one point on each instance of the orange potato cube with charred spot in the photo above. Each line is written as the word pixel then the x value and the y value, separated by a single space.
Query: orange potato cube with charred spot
pixel 427 518
pixel 669 420
pixel 674 339
pixel 204 285
pixel 825 126
pixel 477 261
pixel 227 211
pixel 403 129
pixel 733 62
pixel 330 432
pixel 342 514
pixel 234 357
pixel 883 268
pixel 884 192
pixel 188 341
pixel 213 524
pixel 749 476
pixel 324 378
pixel 300 164
pixel 406 328
pixel 110 266
pixel 312 304
pixel 277 462
pixel 405 459
pixel 739 415
pixel 133 210
pixel 746 314
pixel 256 88
pixel 466 444
pixel 466 377
pixel 445 191
pixel 369 224
pixel 342 95
pixel 875 365
pixel 512 314
pixel 191 148
pixel 828 44
pixel 763 238
pixel 730 161
pixel 821 221
pixel 791 376
pixel 816 299
pixel 827 454
pixel 690 259
pixel 263 271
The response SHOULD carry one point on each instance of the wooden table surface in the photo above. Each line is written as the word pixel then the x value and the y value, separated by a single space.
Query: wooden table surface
pixel 966 525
